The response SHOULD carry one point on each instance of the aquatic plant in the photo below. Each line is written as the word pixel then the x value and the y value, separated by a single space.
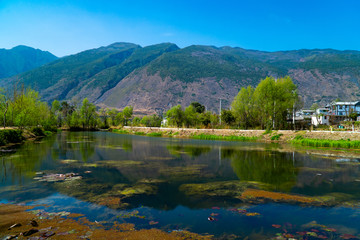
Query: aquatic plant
pixel 63 225
pixel 256 194
pixel 231 189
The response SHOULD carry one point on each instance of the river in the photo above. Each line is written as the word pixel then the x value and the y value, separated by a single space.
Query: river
pixel 182 184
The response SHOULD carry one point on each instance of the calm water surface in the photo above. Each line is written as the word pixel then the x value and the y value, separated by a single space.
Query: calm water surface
pixel 141 180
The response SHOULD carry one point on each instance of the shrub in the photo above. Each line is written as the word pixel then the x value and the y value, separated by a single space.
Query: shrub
pixel 38 131
pixel 10 136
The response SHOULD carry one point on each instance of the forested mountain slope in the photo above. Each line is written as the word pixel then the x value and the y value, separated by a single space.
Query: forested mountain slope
pixel 163 75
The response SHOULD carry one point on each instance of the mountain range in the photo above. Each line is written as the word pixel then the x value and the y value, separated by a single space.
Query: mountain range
pixel 21 59
pixel 159 76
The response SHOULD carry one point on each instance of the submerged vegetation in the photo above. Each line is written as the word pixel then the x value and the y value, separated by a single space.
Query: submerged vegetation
pixel 18 221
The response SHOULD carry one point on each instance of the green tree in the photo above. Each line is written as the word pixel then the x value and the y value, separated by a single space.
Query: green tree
pixel 275 100
pixel 199 108
pixel 205 118
pixel 112 115
pixel 74 120
pixel 4 104
pixel 66 111
pixel 136 121
pixel 119 119
pixel 104 118
pixel 214 119
pixel 227 117
pixel 175 116
pixel 88 114
pixel 191 117
pixel 128 112
pixel 56 112
pixel 243 108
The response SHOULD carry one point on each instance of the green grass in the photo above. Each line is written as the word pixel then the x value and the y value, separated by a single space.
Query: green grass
pixel 172 134
pixel 121 131
pixel 326 143
pixel 226 138
pixel 276 137
pixel 140 133
pixel 154 134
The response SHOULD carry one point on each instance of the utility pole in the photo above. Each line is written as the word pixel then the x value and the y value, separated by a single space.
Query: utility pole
pixel 220 111
pixel 294 113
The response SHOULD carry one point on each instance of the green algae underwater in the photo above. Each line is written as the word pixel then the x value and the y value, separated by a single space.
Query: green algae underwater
pixel 229 190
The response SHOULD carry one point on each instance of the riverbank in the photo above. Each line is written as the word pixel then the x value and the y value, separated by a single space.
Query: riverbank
pixel 343 144
pixel 258 135
pixel 14 136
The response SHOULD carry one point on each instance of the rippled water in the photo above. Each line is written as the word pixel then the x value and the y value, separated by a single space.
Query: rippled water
pixel 159 182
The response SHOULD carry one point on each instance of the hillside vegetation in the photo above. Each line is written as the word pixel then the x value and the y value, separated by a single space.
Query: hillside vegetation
pixel 21 59
pixel 161 76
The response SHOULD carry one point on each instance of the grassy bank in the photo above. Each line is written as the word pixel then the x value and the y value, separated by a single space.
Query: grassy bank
pixel 150 134
pixel 351 144
pixel 188 133
pixel 224 138
pixel 16 136
pixel 323 139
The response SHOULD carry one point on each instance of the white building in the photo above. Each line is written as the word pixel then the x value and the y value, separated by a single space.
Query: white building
pixel 320 117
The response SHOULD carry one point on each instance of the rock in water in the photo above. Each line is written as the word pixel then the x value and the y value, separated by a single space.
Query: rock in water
pixel 15 225
pixel 34 223
pixel 30 232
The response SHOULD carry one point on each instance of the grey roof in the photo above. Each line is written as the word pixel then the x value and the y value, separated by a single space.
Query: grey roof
pixel 345 103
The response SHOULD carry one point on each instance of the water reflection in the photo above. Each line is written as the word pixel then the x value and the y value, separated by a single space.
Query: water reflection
pixel 275 168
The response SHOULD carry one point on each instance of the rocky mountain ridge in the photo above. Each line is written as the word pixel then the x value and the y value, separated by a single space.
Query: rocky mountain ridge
pixel 163 75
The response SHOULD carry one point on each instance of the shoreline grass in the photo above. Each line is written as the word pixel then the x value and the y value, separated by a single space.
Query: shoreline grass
pixel 326 143
pixel 121 131
pixel 155 134
pixel 203 136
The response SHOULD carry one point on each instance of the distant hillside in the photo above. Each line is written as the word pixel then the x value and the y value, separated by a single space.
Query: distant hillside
pixel 206 74
pixel 21 59
pixel 163 75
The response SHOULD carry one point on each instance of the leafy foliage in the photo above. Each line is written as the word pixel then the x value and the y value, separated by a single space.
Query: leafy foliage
pixel 10 136
pixel 267 106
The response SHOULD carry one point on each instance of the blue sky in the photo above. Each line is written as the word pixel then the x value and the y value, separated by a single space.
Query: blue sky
pixel 67 27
